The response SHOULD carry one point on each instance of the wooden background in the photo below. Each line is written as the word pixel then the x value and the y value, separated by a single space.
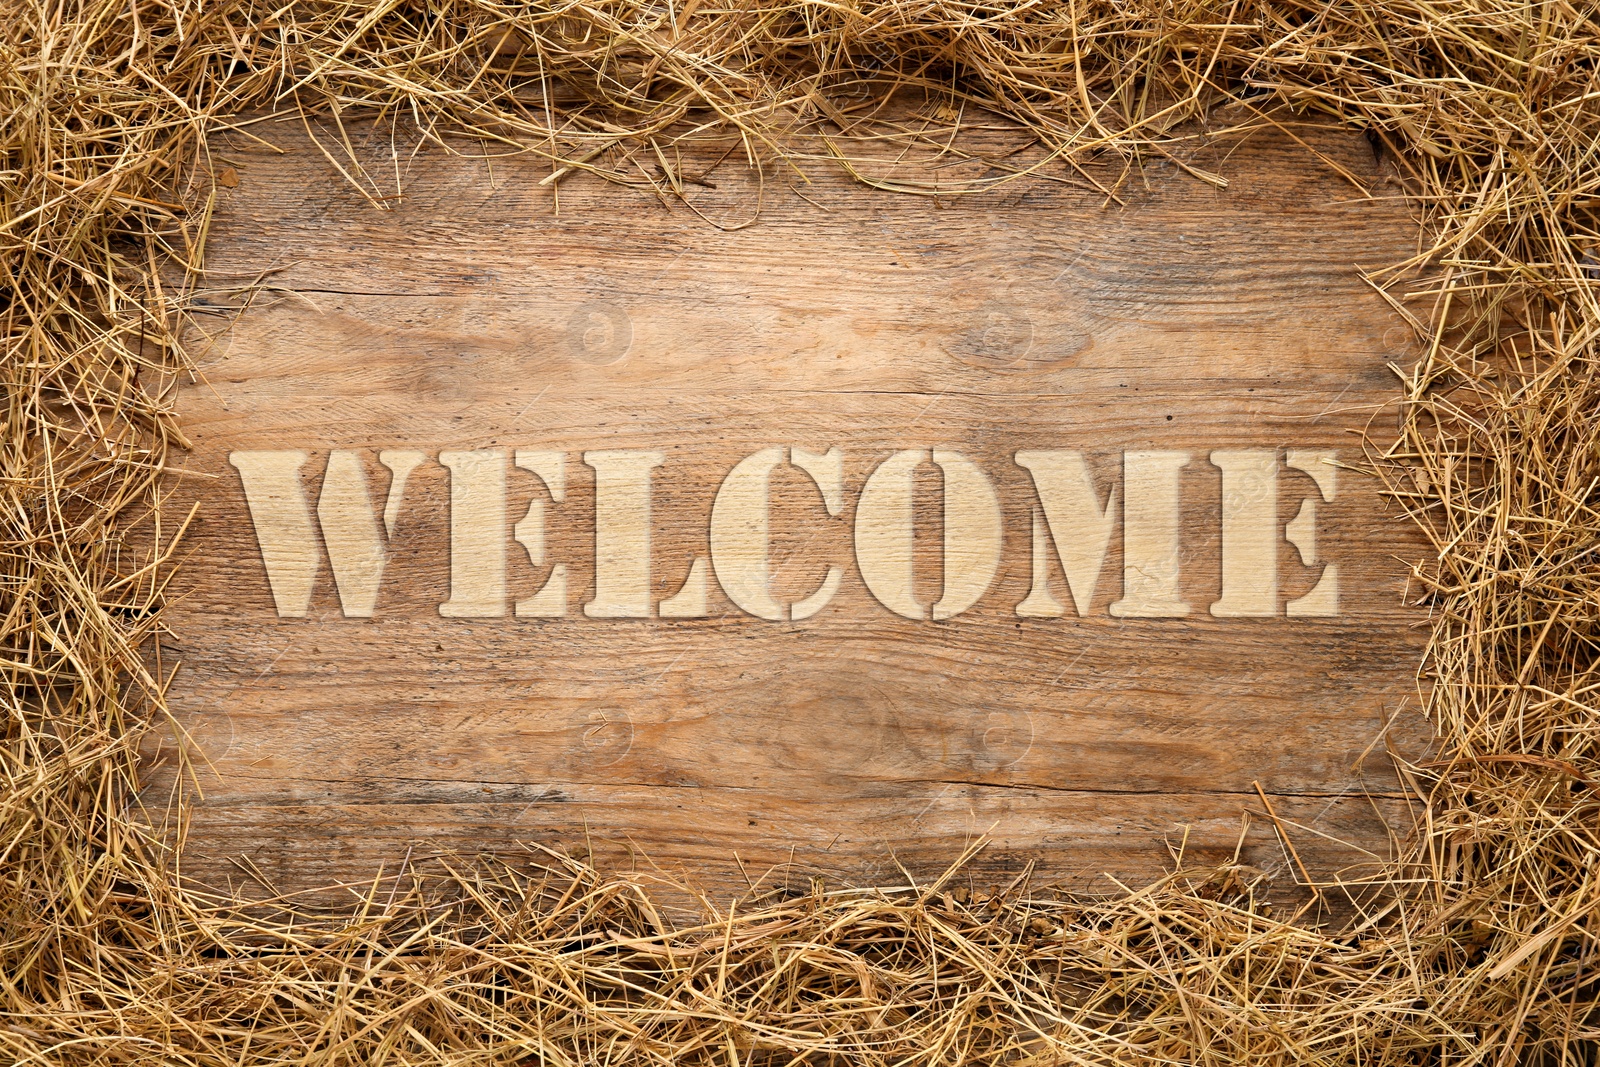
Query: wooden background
pixel 477 312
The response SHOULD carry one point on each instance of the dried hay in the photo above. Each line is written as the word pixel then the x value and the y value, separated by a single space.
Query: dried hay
pixel 1483 946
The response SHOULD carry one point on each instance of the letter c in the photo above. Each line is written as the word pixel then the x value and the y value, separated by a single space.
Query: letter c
pixel 740 523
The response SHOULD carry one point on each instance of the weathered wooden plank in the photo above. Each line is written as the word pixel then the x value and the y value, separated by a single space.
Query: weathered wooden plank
pixel 473 323
pixel 303 837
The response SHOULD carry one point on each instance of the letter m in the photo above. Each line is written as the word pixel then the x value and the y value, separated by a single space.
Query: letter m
pixel 288 540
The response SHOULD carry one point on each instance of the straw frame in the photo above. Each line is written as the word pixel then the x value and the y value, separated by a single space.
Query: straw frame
pixel 1483 950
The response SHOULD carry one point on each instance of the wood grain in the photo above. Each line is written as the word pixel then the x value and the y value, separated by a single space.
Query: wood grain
pixel 476 316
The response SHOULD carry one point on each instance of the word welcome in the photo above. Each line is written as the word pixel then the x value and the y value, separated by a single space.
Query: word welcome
pixel 1070 519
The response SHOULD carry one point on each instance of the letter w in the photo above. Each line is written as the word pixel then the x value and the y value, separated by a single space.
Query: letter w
pixel 282 519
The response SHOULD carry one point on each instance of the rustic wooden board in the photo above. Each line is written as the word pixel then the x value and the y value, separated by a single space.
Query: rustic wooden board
pixel 1030 332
